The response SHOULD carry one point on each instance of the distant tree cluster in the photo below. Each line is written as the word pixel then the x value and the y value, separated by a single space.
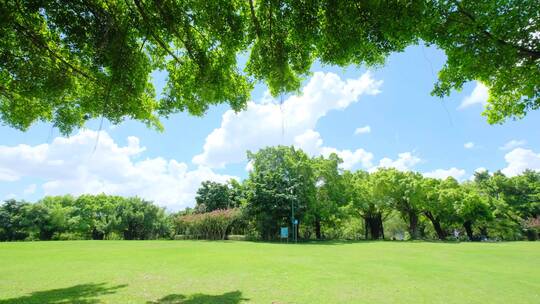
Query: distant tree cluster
pixel 93 217
pixel 387 203
pixel 328 202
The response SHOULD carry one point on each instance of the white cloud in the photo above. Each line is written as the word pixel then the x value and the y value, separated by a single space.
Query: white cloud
pixel 362 130
pixel 519 160
pixel 268 123
pixel 69 165
pixel 445 173
pixel 480 170
pixel 468 145
pixel 513 144
pixel 405 162
pixel 351 158
pixel 312 143
pixel 479 95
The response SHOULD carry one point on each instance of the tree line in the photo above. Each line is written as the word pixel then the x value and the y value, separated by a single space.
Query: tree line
pixel 94 217
pixel 329 203
pixel 334 203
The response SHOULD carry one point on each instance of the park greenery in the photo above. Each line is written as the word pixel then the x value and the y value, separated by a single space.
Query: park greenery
pixel 66 61
pixel 330 203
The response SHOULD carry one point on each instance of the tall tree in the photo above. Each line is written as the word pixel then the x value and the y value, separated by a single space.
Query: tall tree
pixel 437 203
pixel 213 196
pixel 330 193
pixel 471 208
pixel 370 200
pixel 281 182
pixel 12 220
pixel 404 191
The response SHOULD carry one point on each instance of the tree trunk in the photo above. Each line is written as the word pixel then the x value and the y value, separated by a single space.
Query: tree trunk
pixel 468 229
pixel 441 234
pixel 413 224
pixel 374 226
pixel 365 229
pixel 318 229
pixel 381 228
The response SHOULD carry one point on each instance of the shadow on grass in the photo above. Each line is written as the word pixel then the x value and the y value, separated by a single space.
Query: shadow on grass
pixel 78 294
pixel 233 297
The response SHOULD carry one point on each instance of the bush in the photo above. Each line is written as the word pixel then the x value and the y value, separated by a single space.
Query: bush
pixel 532 228
pixel 67 236
pixel 180 237
pixel 210 225
pixel 236 237
pixel 113 236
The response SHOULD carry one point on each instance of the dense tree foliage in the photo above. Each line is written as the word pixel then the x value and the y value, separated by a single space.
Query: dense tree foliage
pixel 68 61
pixel 327 198
pixel 85 217
pixel 330 196
pixel 282 183
pixel 213 196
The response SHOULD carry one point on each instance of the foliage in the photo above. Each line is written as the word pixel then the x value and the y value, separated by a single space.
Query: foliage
pixel 370 200
pixel 138 219
pixel 281 182
pixel 437 204
pixel 330 194
pixel 212 225
pixel 213 196
pixel 85 217
pixel 68 61
pixel 12 221
pixel 532 228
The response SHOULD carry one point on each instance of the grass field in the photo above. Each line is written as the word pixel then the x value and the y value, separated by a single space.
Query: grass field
pixel 196 272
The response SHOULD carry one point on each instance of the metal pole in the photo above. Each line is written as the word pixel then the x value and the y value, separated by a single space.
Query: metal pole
pixel 293 221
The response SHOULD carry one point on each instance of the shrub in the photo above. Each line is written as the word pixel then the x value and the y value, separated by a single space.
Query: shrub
pixel 67 236
pixel 210 225
pixel 180 237
pixel 532 228
pixel 113 236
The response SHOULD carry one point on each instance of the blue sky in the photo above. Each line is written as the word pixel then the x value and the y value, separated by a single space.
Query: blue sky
pixel 401 125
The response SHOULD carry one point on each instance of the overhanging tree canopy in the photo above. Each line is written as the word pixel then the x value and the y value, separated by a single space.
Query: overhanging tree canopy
pixel 67 61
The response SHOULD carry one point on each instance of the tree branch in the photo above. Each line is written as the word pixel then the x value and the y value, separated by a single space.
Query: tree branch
pixel 254 19
pixel 41 44
pixel 522 50
pixel 156 38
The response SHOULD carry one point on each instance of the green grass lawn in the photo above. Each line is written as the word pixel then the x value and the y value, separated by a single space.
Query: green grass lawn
pixel 197 272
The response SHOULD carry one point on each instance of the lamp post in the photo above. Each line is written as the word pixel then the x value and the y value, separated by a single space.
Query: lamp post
pixel 294 222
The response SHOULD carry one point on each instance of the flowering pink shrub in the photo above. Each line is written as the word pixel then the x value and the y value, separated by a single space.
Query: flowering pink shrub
pixel 210 225
pixel 532 227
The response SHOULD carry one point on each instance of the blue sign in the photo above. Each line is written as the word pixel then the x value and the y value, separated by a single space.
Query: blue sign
pixel 295 221
pixel 284 232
